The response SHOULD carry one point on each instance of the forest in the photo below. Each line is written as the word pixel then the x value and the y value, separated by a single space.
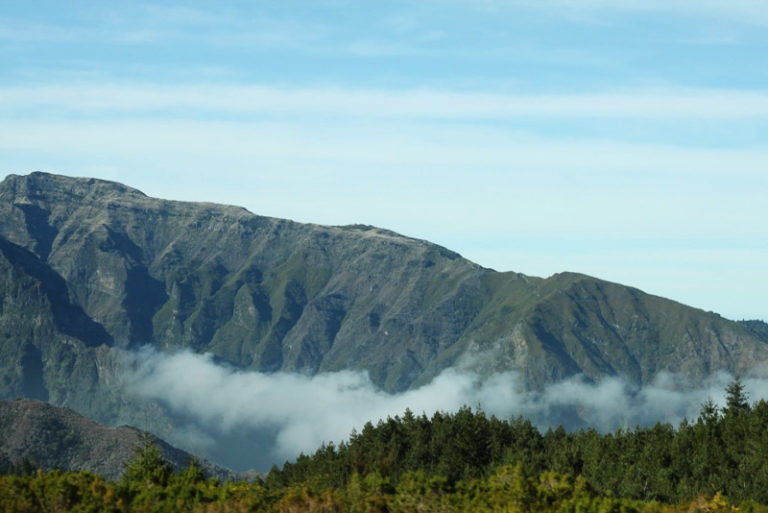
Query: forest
pixel 463 461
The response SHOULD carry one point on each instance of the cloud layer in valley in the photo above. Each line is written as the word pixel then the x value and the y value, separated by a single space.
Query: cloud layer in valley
pixel 297 413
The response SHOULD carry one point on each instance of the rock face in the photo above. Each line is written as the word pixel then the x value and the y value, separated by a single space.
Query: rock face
pixel 49 437
pixel 89 266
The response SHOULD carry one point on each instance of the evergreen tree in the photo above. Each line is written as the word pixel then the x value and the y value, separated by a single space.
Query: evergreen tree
pixel 736 398
pixel 148 468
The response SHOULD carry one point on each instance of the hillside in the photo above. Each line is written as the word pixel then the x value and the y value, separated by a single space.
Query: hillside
pixel 89 268
pixel 48 437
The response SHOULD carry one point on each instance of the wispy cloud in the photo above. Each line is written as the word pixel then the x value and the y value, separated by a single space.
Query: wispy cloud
pixel 746 11
pixel 184 101
pixel 493 151
pixel 751 12
pixel 162 26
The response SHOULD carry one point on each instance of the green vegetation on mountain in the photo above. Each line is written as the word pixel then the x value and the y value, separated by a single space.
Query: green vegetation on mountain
pixel 90 269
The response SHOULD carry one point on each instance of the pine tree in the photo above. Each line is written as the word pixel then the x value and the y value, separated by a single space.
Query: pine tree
pixel 736 398
pixel 148 467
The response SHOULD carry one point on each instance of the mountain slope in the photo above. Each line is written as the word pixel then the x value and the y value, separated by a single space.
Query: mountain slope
pixel 88 267
pixel 50 437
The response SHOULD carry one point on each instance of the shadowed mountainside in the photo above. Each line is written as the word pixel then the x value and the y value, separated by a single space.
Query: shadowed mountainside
pixel 48 437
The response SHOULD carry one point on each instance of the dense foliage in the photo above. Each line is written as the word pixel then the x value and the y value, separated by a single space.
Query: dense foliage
pixel 453 463
pixel 723 450
pixel 153 489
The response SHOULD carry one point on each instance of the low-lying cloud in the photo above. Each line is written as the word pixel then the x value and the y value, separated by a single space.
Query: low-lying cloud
pixel 297 413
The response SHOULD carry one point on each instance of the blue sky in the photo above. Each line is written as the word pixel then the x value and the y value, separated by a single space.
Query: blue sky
pixel 626 139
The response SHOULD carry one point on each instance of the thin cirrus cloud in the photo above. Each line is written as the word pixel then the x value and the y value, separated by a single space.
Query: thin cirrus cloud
pixel 147 26
pixel 751 12
pixel 494 153
pixel 222 100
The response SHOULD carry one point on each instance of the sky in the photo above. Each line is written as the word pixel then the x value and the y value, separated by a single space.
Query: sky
pixel 625 139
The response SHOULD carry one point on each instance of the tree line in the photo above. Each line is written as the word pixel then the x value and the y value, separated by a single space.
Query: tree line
pixel 723 450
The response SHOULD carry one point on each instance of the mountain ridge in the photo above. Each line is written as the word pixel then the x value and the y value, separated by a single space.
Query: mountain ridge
pixel 89 268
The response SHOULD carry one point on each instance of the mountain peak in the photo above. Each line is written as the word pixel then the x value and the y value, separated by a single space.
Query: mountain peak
pixel 40 183
pixel 89 268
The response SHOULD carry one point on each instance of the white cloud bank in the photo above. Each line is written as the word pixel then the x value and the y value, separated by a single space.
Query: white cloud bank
pixel 305 411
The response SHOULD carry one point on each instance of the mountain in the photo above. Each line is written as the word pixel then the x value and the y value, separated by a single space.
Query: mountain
pixel 49 437
pixel 90 269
